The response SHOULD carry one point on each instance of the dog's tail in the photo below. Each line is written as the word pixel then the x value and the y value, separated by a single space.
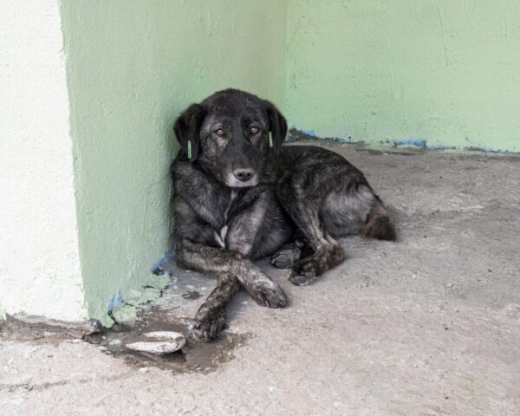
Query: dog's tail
pixel 378 224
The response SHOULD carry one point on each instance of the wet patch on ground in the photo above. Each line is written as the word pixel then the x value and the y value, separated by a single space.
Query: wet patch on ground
pixel 191 295
pixel 195 356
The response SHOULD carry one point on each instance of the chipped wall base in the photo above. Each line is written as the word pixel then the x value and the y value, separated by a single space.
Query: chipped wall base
pixel 296 134
pixel 123 308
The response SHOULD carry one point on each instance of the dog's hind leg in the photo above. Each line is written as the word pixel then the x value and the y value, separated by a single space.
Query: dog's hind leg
pixel 356 210
pixel 210 319
pixel 305 212
pixel 378 224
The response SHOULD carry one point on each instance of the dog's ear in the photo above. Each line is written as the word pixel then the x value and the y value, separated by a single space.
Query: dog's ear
pixel 277 126
pixel 187 130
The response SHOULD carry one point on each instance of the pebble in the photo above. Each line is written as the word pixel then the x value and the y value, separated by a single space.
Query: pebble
pixel 169 342
pixel 92 326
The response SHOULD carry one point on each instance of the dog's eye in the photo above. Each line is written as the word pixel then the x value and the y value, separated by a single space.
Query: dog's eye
pixel 220 132
pixel 254 130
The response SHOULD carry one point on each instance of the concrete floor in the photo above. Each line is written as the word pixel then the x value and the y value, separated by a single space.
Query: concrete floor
pixel 426 326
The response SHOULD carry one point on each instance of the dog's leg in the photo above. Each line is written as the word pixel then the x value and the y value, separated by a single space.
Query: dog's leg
pixel 327 253
pixel 211 316
pixel 212 260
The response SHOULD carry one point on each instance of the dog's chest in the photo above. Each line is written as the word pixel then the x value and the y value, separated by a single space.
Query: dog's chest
pixel 220 235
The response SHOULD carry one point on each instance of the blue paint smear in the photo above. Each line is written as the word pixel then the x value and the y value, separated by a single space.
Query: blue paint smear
pixel 420 143
pixel 492 150
pixel 157 267
pixel 312 133
pixel 309 132
pixel 115 299
pixel 410 142
pixel 111 304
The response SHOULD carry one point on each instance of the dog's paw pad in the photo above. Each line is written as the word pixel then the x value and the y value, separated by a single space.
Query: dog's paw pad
pixel 302 279
pixel 285 258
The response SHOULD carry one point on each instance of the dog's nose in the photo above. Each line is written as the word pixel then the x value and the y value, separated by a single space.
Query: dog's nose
pixel 244 174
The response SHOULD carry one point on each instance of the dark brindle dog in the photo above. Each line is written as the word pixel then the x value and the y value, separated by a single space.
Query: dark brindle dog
pixel 239 195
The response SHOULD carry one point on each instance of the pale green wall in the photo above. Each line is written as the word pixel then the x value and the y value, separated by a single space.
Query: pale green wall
pixel 444 71
pixel 133 65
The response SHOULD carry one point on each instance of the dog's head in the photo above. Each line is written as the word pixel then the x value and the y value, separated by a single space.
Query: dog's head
pixel 232 133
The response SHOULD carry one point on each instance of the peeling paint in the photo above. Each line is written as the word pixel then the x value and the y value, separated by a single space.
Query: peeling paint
pixel 385 145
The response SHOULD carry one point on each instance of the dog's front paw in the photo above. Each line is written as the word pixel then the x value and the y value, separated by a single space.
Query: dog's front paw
pixel 209 323
pixel 268 293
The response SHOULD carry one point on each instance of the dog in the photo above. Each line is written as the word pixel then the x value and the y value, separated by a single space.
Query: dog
pixel 239 195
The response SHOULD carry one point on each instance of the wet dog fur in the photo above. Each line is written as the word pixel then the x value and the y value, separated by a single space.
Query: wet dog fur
pixel 239 195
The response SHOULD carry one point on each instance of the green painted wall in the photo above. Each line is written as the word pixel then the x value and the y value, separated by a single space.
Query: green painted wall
pixel 132 66
pixel 444 71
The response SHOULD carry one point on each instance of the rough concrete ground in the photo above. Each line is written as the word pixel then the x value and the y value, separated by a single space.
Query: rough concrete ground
pixel 426 326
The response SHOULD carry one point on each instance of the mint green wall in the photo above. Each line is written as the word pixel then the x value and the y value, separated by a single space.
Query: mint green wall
pixel 132 67
pixel 444 71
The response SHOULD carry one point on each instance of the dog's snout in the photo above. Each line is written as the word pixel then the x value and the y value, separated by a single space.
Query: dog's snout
pixel 244 174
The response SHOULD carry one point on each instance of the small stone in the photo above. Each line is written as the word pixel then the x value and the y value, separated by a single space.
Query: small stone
pixel 115 342
pixel 92 326
pixel 449 285
pixel 93 338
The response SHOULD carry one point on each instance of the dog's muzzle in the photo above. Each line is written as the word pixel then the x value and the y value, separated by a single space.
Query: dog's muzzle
pixel 242 178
